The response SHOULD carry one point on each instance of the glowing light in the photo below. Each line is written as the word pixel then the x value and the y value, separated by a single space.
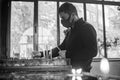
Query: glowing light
pixel 73 71
pixel 76 78
pixel 76 74
pixel 79 78
pixel 78 71
pixel 73 78
pixel 104 66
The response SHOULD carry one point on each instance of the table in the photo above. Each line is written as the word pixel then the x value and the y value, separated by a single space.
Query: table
pixel 43 76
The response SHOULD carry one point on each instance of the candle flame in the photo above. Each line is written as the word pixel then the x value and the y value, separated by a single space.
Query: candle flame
pixel 76 74
pixel 73 71
pixel 79 78
pixel 104 66
pixel 78 71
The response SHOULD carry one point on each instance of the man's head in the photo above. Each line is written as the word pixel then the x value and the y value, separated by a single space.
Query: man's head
pixel 67 11
pixel 68 8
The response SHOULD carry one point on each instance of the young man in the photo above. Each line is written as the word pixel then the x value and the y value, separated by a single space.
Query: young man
pixel 80 41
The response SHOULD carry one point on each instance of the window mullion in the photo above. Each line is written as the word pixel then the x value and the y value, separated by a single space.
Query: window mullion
pixel 58 25
pixel 104 31
pixel 35 27
pixel 85 14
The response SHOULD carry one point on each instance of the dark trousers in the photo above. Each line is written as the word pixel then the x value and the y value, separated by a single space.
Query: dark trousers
pixel 84 64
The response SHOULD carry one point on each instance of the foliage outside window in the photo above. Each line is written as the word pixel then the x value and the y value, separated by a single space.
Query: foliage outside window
pixel 47 24
pixel 21 36
pixel 112 18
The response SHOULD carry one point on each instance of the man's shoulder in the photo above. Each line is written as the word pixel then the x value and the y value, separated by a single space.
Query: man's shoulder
pixel 81 23
pixel 88 24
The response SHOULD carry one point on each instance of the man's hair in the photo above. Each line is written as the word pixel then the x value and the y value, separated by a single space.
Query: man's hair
pixel 68 8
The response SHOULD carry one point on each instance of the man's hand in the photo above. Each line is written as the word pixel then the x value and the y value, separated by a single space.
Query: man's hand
pixel 62 53
pixel 36 54
pixel 66 31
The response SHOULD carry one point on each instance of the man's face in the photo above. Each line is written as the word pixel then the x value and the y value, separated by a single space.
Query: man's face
pixel 64 16
pixel 65 19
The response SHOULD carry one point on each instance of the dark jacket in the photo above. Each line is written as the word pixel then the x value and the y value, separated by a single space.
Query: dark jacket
pixel 80 42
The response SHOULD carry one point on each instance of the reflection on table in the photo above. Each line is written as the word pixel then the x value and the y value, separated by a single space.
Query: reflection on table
pixel 45 76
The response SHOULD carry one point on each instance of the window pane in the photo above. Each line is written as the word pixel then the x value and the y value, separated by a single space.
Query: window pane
pixel 21 32
pixel 47 24
pixel 94 16
pixel 79 7
pixel 112 19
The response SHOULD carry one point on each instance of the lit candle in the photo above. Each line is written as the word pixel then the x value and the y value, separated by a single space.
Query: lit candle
pixel 44 53
pixel 50 52
pixel 73 78
pixel 79 71
pixel 79 78
pixel 47 56
pixel 76 74
pixel 73 71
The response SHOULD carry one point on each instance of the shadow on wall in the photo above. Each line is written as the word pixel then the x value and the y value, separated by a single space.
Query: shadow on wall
pixel 114 67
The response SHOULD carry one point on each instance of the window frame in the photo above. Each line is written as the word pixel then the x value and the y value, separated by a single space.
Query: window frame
pixel 84 2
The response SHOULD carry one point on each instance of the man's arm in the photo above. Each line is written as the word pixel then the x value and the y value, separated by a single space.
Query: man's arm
pixel 58 48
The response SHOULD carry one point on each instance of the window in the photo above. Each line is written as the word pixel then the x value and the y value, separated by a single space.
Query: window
pixel 47 24
pixel 112 20
pixel 22 26
pixel 21 30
